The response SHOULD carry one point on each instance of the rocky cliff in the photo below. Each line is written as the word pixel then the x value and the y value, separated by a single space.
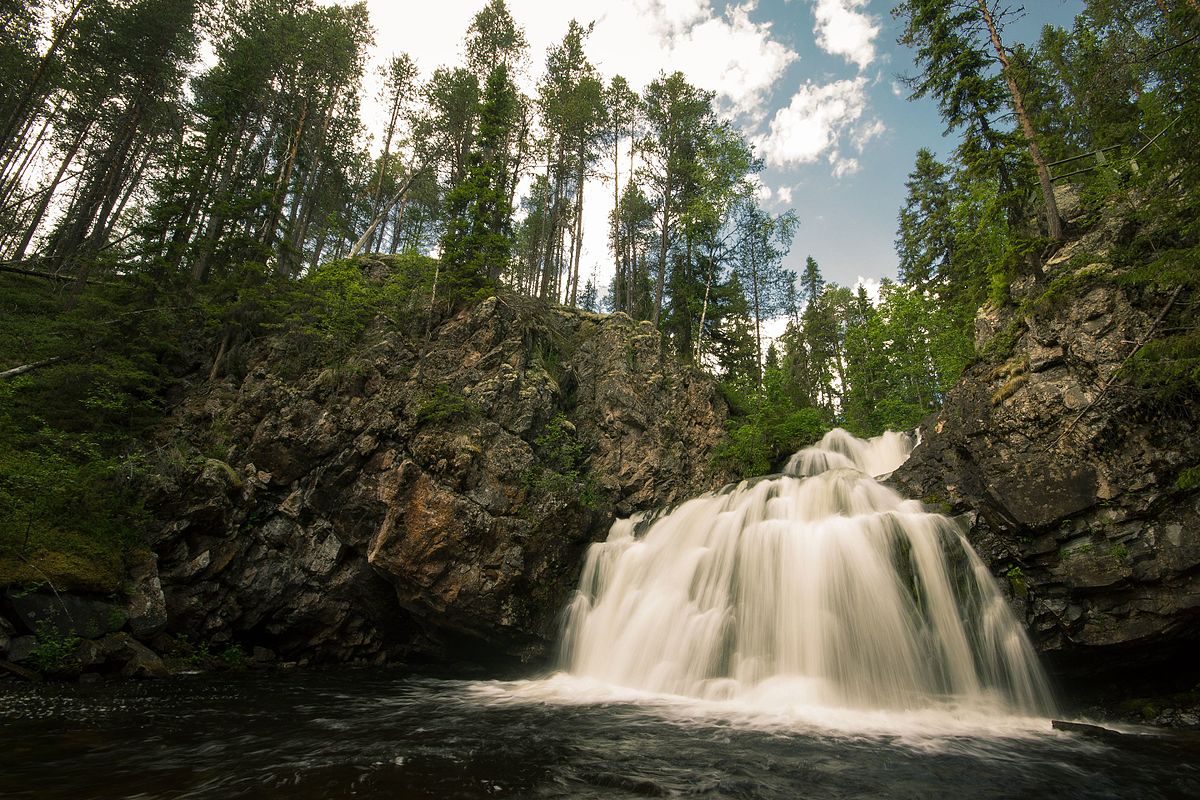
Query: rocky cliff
pixel 429 495
pixel 1070 475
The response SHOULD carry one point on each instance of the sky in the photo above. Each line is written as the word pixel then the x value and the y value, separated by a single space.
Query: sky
pixel 812 83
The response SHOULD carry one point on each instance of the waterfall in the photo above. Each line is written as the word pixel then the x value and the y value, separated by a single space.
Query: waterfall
pixel 820 586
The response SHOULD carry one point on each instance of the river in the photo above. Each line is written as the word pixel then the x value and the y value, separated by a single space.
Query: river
pixel 310 735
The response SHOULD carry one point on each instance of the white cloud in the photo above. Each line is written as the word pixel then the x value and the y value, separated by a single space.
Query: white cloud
pixel 784 195
pixel 863 135
pixel 724 52
pixel 733 56
pixel 811 126
pixel 871 285
pixel 842 166
pixel 842 30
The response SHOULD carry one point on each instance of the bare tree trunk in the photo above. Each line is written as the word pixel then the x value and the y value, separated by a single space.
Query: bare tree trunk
pixel 618 281
pixel 578 232
pixel 662 257
pixel 1053 218
pixel 22 105
pixel 400 194
pixel 40 213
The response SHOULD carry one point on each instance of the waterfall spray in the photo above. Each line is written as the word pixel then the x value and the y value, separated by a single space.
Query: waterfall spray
pixel 820 586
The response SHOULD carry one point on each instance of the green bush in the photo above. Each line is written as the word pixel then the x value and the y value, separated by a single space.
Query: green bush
pixel 765 428
pixel 561 468
pixel 52 651
pixel 443 404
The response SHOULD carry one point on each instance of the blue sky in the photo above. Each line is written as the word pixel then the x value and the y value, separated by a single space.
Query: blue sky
pixel 848 222
pixel 811 82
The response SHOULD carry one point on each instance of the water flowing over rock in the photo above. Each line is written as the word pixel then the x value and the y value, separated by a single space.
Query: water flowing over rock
pixel 1067 476
pixel 820 587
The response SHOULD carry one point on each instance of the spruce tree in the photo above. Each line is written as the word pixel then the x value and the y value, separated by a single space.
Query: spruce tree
pixel 478 242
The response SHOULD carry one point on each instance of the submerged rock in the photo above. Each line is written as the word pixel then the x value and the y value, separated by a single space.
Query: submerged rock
pixel 433 498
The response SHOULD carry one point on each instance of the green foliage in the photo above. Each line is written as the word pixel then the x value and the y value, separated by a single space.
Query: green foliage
pixel 233 656
pixel 69 471
pixel 1167 367
pixel 765 427
pixel 443 404
pixel 478 242
pixel 561 468
pixel 1188 479
pixel 54 652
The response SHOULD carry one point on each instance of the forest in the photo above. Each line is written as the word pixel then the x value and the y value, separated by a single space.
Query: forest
pixel 178 177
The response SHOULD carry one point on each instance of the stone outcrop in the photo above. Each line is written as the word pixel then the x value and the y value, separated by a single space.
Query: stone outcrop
pixel 428 497
pixel 1066 474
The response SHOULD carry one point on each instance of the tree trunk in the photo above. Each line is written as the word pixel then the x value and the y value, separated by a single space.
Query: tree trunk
pixel 663 242
pixel 1053 218
pixel 22 105
pixel 578 231
pixel 40 213
pixel 16 179
pixel 271 228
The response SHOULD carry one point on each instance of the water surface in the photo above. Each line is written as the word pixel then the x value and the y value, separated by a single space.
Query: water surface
pixel 388 735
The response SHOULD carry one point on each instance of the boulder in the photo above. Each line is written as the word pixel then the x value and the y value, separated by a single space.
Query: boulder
pixel 147 606
pixel 67 614
pixel 121 652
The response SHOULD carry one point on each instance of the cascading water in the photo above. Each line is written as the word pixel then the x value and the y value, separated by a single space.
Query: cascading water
pixel 817 587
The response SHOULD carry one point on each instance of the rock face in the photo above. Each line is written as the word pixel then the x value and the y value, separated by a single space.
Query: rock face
pixel 1067 477
pixel 429 497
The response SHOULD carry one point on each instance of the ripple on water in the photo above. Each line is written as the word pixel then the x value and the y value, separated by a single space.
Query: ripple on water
pixel 376 735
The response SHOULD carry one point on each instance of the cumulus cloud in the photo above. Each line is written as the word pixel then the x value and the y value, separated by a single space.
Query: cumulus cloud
pixel 842 166
pixel 863 135
pixel 811 126
pixel 734 57
pixel 843 30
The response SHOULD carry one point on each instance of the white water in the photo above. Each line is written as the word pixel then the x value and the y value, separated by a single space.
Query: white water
pixel 817 589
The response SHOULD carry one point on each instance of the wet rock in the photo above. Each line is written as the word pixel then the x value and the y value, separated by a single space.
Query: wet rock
pixel 20 648
pixel 130 657
pixel 1071 475
pixel 440 502
pixel 67 614
pixel 147 607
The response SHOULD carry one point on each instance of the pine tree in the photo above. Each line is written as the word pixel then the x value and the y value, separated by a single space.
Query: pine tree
pixel 924 240
pixel 477 244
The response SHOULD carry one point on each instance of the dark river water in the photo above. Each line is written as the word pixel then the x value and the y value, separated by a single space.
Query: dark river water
pixel 387 735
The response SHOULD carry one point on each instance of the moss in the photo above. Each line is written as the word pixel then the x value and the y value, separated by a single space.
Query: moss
pixel 1010 387
pixel 1119 552
pixel 69 560
pixel 1188 479
pixel 1016 579
pixel 443 404
pixel 1004 342
pixel 231 475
